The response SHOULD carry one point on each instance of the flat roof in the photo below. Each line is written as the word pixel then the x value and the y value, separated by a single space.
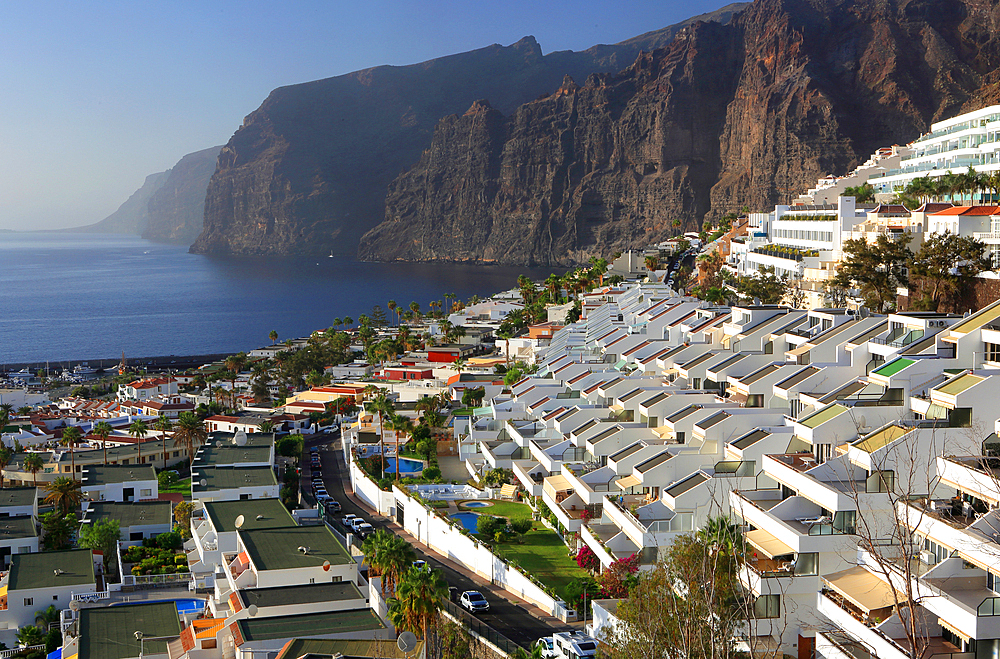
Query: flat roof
pixel 683 412
pixel 38 570
pixel 627 451
pixel 220 449
pixel 751 438
pixel 893 367
pixel 278 549
pixel 879 439
pixel 226 478
pixel 760 373
pixel 982 317
pixel 109 632
pixel 958 385
pixel 17 496
pixel 106 474
pixel 339 591
pixel 139 513
pixel 787 383
pixel 309 624
pixel 12 528
pixel 325 648
pixel 654 461
pixel 257 514
pixel 689 483
pixel 822 416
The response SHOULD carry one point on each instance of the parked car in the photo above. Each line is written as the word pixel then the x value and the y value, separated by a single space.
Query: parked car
pixel 420 565
pixel 332 505
pixel 356 522
pixel 346 519
pixel 365 529
pixel 474 601
pixel 548 648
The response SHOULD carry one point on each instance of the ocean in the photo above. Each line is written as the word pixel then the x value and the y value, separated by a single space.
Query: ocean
pixel 82 297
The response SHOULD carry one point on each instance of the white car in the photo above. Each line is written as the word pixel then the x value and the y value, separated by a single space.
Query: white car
pixel 548 648
pixel 474 601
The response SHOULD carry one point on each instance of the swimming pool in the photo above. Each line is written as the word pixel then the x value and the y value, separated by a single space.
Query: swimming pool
pixel 469 520
pixel 405 466
pixel 184 605
pixel 476 504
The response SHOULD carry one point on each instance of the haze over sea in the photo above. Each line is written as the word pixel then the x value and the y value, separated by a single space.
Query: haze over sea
pixel 73 297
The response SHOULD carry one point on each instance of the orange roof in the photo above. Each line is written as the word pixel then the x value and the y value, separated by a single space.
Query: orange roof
pixel 970 210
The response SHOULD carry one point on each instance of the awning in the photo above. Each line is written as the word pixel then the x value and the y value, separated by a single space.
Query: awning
pixel 801 350
pixel 557 483
pixel 628 482
pixel 768 544
pixel 863 589
pixel 953 630
pixel 738 397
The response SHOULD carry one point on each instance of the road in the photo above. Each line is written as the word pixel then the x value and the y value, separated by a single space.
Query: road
pixel 505 616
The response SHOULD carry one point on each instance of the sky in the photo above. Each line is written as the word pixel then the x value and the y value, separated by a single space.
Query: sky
pixel 96 96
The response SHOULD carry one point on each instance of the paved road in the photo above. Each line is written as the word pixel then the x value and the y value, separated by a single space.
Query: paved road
pixel 509 618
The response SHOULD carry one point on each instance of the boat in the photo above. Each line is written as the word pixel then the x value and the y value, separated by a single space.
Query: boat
pixel 84 369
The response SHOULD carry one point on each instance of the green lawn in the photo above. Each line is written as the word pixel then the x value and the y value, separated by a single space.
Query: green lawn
pixel 180 487
pixel 543 555
pixel 506 509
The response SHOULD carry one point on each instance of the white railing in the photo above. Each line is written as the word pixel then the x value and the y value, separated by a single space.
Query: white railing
pixel 10 653
pixel 157 579
pixel 91 597
pixel 986 236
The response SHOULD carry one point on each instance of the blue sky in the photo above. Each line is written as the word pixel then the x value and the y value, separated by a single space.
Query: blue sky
pixel 96 96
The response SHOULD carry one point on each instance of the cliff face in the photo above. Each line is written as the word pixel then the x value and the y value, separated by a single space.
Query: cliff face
pixel 308 170
pixel 132 216
pixel 725 116
pixel 177 209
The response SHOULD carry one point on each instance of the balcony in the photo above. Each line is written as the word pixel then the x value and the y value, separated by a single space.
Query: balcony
pixel 954 512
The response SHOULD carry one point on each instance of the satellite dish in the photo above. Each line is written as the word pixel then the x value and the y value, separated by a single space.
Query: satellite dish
pixel 240 438
pixel 326 566
pixel 252 610
pixel 203 482
pixel 406 641
pixel 239 521
pixel 74 605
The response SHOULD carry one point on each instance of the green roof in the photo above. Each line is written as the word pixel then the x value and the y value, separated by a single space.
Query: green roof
pixel 140 513
pixel 880 439
pixel 957 385
pixel 109 632
pixel 893 367
pixel 17 496
pixel 105 474
pixel 339 591
pixel 329 647
pixel 219 450
pixel 226 478
pixel 278 549
pixel 822 416
pixel 12 528
pixel 257 514
pixel 28 571
pixel 309 624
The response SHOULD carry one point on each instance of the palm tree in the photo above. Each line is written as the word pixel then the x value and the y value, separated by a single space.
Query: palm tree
pixel 720 531
pixel 163 424
pixel 138 429
pixel 397 559
pixel 348 321
pixel 382 406
pixel 71 437
pixel 420 594
pixel 6 455
pixel 64 493
pixel 393 307
pixel 190 433
pixel 235 364
pixel 415 308
pixel 273 335
pixel 601 266
pixel 33 463
pixel 534 653
pixel 102 430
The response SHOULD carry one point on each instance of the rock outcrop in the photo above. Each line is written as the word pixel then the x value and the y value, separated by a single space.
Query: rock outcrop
pixel 132 217
pixel 176 210
pixel 307 172
pixel 724 116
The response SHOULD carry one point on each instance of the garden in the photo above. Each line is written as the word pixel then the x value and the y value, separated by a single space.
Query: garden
pixel 159 555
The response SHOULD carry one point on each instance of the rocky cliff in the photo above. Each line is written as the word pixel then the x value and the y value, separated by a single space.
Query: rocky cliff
pixel 724 116
pixel 307 172
pixel 133 215
pixel 177 209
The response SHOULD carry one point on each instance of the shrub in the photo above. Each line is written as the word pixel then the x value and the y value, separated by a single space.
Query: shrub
pixel 489 525
pixel 169 540
pixel 520 525
pixel 587 559
pixel 432 473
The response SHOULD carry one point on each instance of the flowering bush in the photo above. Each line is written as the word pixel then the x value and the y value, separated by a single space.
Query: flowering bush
pixel 587 559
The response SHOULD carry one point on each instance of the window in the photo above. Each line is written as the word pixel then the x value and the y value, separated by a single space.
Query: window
pixel 146 493
pixel 767 606
pixel 55 598
pixel 312 580
pixel 135 535
pixel 29 601
pixel 337 579
pixel 244 497
pixel 807 564
pixel 993 351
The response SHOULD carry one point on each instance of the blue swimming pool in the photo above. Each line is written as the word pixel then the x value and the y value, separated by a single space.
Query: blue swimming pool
pixel 406 466
pixel 475 504
pixel 184 605
pixel 469 520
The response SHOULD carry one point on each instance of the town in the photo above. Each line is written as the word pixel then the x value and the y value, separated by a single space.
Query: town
pixel 771 437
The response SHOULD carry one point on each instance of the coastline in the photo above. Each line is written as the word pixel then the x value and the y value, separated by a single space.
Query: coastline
pixel 161 362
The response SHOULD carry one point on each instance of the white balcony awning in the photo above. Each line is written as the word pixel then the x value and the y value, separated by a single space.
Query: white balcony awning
pixel 863 589
pixel 768 544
